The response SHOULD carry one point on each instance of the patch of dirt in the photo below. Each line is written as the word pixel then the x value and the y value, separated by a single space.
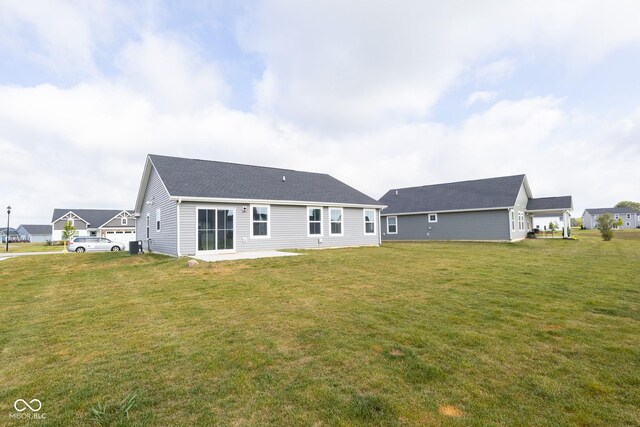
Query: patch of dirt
pixel 396 352
pixel 450 411
pixel 551 327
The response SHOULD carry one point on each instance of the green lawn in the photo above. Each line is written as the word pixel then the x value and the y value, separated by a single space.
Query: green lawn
pixel 541 332
pixel 30 247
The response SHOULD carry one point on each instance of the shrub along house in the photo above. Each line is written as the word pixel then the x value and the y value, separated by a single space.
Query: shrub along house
pixel 486 209
pixel 194 207
pixel 115 224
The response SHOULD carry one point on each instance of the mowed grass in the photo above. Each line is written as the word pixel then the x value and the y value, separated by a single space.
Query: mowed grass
pixel 541 332
pixel 29 247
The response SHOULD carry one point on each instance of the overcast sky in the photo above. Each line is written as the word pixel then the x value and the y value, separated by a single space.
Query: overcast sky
pixel 377 94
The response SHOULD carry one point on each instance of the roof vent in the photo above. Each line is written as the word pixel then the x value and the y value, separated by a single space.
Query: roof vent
pixel 284 178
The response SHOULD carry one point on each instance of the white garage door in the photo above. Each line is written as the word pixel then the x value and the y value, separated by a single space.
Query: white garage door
pixel 121 236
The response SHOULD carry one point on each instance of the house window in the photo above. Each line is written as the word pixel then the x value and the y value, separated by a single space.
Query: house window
pixel 71 222
pixel 392 225
pixel 148 220
pixel 628 223
pixel 123 221
pixel 433 217
pixel 314 219
pixel 335 218
pixel 521 221
pixel 513 220
pixel 616 216
pixel 157 219
pixel 260 221
pixel 628 216
pixel 369 221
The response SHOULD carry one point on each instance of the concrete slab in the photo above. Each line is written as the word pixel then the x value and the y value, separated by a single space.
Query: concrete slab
pixel 243 255
pixel 15 254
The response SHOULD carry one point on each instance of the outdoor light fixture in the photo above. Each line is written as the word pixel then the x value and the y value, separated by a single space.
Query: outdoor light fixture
pixel 7 232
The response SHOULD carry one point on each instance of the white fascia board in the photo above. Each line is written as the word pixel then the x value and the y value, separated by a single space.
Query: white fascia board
pixel 449 211
pixel 273 202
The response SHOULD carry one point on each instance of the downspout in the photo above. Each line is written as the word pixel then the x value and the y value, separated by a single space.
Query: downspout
pixel 380 228
pixel 178 226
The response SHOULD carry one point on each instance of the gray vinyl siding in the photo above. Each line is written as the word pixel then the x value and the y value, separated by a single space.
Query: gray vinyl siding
pixel 116 223
pixel 474 225
pixel 78 224
pixel 288 228
pixel 165 240
pixel 520 206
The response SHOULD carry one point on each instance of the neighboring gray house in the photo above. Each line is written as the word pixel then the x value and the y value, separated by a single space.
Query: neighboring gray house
pixel 486 209
pixel 630 218
pixel 13 235
pixel 189 207
pixel 115 224
pixel 35 233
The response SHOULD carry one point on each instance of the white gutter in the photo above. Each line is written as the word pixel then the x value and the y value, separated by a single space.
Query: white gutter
pixel 178 226
pixel 274 202
pixel 449 211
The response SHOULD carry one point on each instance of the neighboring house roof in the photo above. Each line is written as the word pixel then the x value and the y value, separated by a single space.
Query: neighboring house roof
pixel 600 211
pixel 550 203
pixel 12 231
pixel 94 217
pixel 478 194
pixel 192 178
pixel 37 229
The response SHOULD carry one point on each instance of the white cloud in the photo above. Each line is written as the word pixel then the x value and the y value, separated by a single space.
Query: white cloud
pixel 496 71
pixel 482 96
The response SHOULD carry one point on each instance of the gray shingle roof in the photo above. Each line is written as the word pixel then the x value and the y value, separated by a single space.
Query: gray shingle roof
pixel 95 217
pixel 212 179
pixel 465 195
pixel 37 229
pixel 12 231
pixel 600 211
pixel 550 203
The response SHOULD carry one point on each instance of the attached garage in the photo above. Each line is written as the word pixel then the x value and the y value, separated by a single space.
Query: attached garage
pixel 121 236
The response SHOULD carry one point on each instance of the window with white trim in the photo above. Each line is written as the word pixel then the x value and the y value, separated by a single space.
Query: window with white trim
pixel 521 221
pixel 260 216
pixel 392 225
pixel 148 221
pixel 335 221
pixel 369 221
pixel 513 220
pixel 123 221
pixel 314 221
pixel 628 216
pixel 433 217
pixel 157 219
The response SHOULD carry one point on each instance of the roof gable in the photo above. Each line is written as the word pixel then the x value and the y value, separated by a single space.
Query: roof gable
pixel 93 217
pixel 490 193
pixel 211 179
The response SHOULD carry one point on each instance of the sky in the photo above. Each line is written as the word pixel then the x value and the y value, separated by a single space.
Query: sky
pixel 379 94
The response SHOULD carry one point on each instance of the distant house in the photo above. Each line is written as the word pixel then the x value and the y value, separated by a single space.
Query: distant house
pixel 500 209
pixel 115 224
pixel 13 235
pixel 189 207
pixel 34 232
pixel 630 218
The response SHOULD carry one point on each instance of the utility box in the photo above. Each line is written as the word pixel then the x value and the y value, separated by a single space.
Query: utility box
pixel 135 247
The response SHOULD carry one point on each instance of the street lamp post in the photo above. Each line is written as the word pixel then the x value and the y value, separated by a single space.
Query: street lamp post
pixel 7 233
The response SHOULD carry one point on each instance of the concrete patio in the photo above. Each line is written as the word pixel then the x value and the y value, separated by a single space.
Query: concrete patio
pixel 242 255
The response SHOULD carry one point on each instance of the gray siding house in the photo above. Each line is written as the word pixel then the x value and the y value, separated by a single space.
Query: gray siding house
pixel 35 233
pixel 500 209
pixel 115 224
pixel 187 207
pixel 629 217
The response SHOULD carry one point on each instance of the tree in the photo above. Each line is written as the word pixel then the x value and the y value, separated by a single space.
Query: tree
pixel 67 233
pixel 605 224
pixel 553 226
pixel 576 222
pixel 628 204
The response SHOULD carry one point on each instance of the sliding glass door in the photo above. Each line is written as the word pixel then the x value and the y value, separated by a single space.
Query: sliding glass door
pixel 215 230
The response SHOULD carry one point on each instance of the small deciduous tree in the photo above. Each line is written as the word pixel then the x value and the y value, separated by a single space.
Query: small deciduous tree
pixel 605 224
pixel 67 233
pixel 553 226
